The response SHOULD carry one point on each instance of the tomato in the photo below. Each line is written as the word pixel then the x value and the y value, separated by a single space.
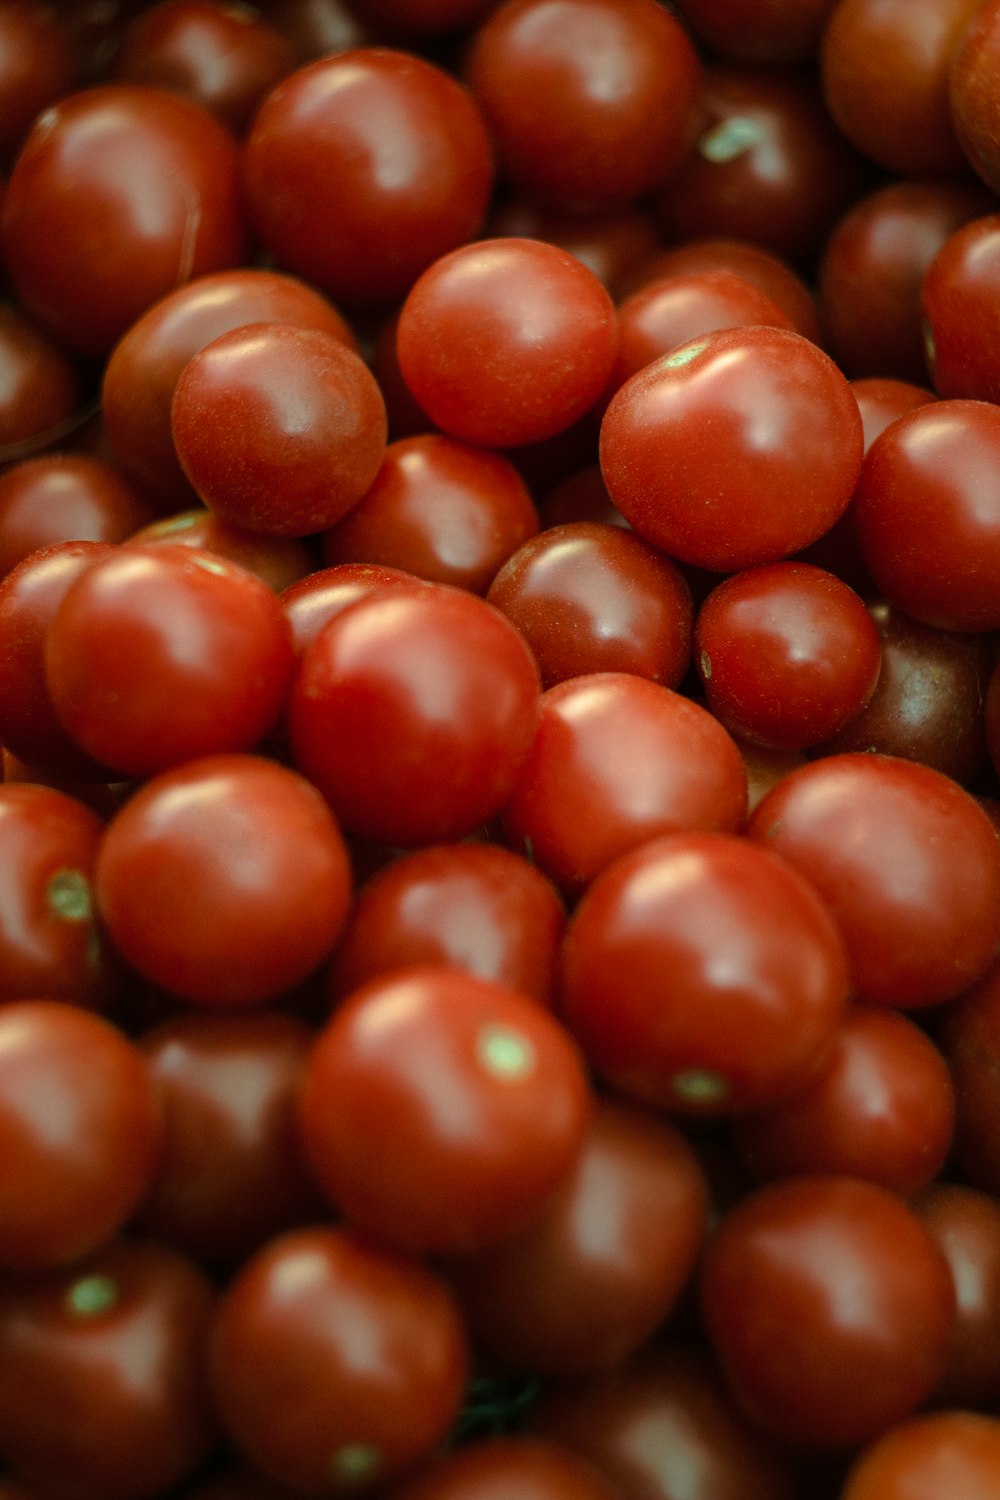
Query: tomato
pixel 37 67
pixel 279 561
pixel 582 1287
pixel 787 31
pixel 413 712
pixel 809 1360
pixel 506 341
pixel 906 862
pixel 947 1453
pixel 225 880
pixel 525 1467
pixel 966 1225
pixel 739 447
pixel 62 498
pixel 487 1089
pixel 157 655
pixel 103 1388
pixel 41 389
pixel 365 1346
pixel 701 978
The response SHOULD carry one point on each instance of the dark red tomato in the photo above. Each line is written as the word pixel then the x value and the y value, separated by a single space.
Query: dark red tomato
pixel 231 1171
pixel 782 31
pixel 280 429
pixel 225 881
pixel 315 599
pixel 39 388
pixel 80 1130
pixel 498 1470
pixel 748 260
pixel 224 57
pixel 141 376
pixel 738 448
pixel 473 906
pixel 873 266
pixel 787 654
pixel 485 1088
pixel 595 1274
pixel 768 165
pixel 882 401
pixel 959 302
pixel 364 167
pixel 617 760
pixel 103 1388
pixel 675 309
pixel 365 1346
pixel 589 102
pixel 143 185
pixel 318 27
pixel 589 598
pixel 765 768
pixel 49 941
pixel 966 1225
pixel 507 341
pixel 907 863
pixel 613 245
pixel 65 497
pixel 664 1427
pixel 157 655
pixel 830 1306
pixel 971 1042
pixel 702 978
pixel 972 92
pixel 885 67
pixel 413 712
pixel 928 704
pixel 580 496
pixel 30 596
pixel 440 510
pixel 879 1105
pixel 278 561
pixel 927 512
pixel 38 66
pixel 946 1453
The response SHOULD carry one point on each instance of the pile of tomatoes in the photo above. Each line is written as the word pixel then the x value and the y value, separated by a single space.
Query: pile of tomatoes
pixel 499 858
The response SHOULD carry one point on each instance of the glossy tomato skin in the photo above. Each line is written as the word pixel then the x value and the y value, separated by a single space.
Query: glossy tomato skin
pixel 312 601
pixel 104 1392
pixel 438 509
pixel 589 597
pixel 413 712
pixel 225 880
pixel 231 1171
pixel 944 1453
pixel 361 169
pixel 589 103
pixel 878 1105
pixel 280 429
pixel 485 1086
pixel 506 341
pixel 49 940
pixel 582 1286
pixel 41 388
pixel 38 66
pixel 809 1364
pixel 881 401
pixel 907 863
pixel 142 373
pixel 81 1127
pixel 786 32
pixel 700 978
pixel 473 906
pixel 927 513
pixel 158 655
pixel 65 497
pixel 278 561
pixel 366 1346
pixel 738 448
pixel 958 301
pixel 148 174
pixel 617 760
pixel 494 1470
pixel 966 1225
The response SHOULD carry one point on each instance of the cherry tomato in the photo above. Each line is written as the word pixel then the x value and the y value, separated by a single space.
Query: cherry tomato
pixel 830 1306
pixel 413 712
pixel 278 561
pixel 966 1225
pixel 65 497
pixel 506 341
pixel 701 978
pixel 40 394
pixel 740 447
pixel 946 1453
pixel 525 1467
pixel 783 31
pixel 365 1346
pixel 487 1089
pixel 315 599
pixel 38 66
pixel 225 880
pixel 103 1388
pixel 971 1042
